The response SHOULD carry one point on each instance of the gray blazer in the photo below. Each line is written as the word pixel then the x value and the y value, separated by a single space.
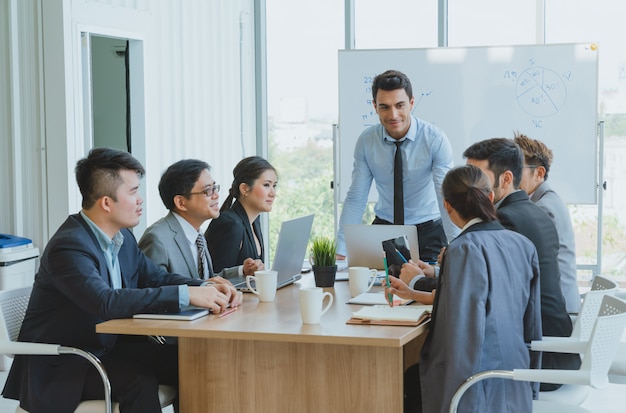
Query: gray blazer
pixel 164 242
pixel 486 310
pixel 552 203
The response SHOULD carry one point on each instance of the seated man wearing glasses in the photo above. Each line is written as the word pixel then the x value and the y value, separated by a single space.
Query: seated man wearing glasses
pixel 175 242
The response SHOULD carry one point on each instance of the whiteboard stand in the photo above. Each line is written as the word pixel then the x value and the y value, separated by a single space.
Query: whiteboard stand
pixel 334 184
pixel 597 267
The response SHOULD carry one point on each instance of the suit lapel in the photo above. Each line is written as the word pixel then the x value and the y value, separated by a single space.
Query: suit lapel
pixel 182 243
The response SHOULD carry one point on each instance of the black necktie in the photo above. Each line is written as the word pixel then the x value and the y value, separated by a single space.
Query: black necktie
pixel 398 191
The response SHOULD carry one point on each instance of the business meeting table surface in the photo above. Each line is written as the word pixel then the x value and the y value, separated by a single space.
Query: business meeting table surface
pixel 262 358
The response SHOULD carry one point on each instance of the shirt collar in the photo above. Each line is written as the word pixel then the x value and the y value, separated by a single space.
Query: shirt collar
pixel 190 232
pixel 103 239
pixel 471 222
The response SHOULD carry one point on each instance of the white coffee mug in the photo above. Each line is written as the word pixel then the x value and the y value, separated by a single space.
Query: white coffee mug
pixel 311 301
pixel 359 280
pixel 265 282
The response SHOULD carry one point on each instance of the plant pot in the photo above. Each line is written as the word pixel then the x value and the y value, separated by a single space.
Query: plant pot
pixel 324 275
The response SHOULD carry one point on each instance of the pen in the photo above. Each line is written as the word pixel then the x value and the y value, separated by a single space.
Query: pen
pixel 389 295
pixel 229 311
pixel 401 256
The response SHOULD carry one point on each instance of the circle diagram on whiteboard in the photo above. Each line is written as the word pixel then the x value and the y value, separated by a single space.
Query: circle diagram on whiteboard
pixel 540 92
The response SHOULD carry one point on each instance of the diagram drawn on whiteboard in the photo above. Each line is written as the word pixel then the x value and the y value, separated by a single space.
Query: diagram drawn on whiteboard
pixel 540 92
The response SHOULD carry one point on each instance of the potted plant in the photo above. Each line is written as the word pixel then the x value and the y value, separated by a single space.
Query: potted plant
pixel 322 258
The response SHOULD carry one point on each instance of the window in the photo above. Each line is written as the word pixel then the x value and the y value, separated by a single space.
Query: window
pixel 302 43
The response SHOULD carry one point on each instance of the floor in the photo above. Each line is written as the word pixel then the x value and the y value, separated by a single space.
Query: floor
pixel 608 400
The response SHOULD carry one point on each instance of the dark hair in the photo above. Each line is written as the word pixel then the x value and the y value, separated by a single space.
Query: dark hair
pixel 392 80
pixel 467 188
pixel 503 155
pixel 98 174
pixel 179 179
pixel 535 152
pixel 246 171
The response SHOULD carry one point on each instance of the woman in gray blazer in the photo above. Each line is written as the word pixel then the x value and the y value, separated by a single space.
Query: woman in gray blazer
pixel 486 308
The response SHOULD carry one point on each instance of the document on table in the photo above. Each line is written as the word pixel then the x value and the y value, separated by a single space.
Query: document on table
pixel 377 299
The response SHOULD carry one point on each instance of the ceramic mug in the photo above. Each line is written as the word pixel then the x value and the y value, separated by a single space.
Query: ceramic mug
pixel 265 282
pixel 361 280
pixel 311 304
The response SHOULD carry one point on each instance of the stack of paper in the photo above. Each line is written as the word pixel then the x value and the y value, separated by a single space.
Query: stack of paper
pixel 377 299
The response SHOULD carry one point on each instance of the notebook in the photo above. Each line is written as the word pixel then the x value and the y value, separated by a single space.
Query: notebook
pixel 393 316
pixel 364 243
pixel 293 239
pixel 187 315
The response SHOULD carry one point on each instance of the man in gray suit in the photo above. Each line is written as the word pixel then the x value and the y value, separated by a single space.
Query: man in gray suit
pixel 175 242
pixel 537 161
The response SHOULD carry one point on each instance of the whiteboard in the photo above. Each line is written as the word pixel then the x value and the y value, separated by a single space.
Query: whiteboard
pixel 547 92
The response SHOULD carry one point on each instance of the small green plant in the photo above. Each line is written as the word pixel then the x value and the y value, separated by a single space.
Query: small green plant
pixel 323 251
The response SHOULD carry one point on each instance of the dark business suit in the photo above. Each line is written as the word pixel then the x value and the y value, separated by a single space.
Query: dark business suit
pixel 71 294
pixel 230 238
pixel 519 213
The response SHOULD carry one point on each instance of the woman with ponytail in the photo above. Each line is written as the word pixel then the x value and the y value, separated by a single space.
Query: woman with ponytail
pixel 235 238
pixel 486 308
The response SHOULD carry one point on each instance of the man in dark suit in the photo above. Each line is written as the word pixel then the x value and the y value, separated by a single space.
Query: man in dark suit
pixel 502 160
pixel 92 271
pixel 175 242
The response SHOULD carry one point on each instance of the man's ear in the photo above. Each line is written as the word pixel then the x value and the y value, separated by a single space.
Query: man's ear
pixel 541 172
pixel 105 203
pixel 180 202
pixel 506 179
pixel 447 206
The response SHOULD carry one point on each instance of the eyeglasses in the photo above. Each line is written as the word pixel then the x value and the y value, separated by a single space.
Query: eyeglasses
pixel 530 166
pixel 215 189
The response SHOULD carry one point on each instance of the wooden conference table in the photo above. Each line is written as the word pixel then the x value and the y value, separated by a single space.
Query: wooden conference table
pixel 261 358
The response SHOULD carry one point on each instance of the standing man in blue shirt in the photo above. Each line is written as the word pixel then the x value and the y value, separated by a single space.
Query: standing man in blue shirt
pixel 425 155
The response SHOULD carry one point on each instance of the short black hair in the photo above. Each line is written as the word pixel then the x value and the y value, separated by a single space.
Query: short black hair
pixel 179 179
pixel 98 174
pixel 503 155
pixel 392 80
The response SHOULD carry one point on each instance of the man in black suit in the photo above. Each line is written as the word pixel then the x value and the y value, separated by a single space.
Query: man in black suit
pixel 502 160
pixel 92 271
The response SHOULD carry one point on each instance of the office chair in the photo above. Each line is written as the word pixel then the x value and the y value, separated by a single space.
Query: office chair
pixel 599 352
pixel 13 304
pixel 576 342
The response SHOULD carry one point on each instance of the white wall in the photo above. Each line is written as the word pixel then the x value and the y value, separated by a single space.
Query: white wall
pixel 22 209
pixel 192 100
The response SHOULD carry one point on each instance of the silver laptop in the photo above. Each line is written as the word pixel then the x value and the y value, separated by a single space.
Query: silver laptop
pixel 364 243
pixel 293 239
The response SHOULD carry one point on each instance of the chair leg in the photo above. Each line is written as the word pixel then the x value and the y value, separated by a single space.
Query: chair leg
pixel 98 365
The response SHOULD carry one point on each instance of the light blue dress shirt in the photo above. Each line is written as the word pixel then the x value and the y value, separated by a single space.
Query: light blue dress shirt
pixel 426 158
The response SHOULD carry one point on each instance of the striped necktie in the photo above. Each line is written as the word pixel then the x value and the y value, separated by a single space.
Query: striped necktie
pixel 202 256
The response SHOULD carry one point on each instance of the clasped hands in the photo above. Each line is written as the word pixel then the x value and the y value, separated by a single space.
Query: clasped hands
pixel 217 296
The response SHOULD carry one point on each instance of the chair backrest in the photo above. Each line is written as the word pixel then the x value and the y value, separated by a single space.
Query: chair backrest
pixel 13 304
pixel 604 341
pixel 591 305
